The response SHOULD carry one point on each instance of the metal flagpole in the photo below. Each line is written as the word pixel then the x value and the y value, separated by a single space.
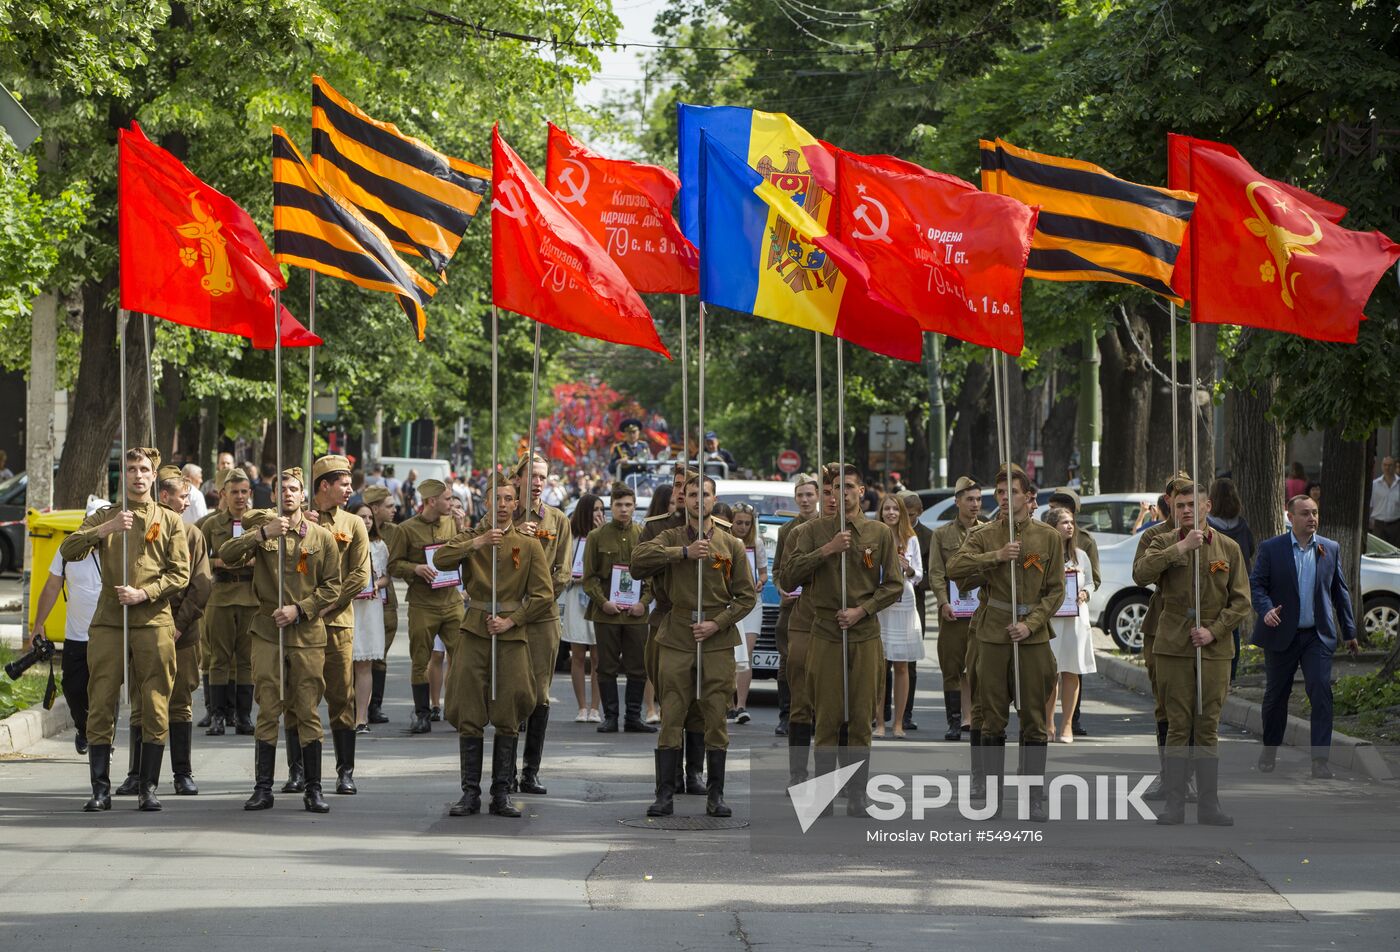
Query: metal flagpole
pixel 700 518
pixel 1001 387
pixel 529 486
pixel 310 450
pixel 685 406
pixel 817 337
pixel 840 487
pixel 277 506
pixel 1176 425
pixel 1196 520
pixel 121 489
pixel 495 476
pixel 150 381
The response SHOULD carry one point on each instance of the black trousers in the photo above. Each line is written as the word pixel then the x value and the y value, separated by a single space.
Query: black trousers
pixel 75 682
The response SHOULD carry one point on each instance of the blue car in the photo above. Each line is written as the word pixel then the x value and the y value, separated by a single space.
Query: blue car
pixel 764 661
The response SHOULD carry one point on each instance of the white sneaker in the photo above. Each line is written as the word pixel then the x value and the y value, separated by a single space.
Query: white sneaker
pixel 595 716
pixel 654 718
pixel 582 716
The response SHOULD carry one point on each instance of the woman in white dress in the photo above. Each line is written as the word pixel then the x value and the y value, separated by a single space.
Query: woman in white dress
pixel 1073 641
pixel 578 630
pixel 744 527
pixel 368 646
pixel 900 634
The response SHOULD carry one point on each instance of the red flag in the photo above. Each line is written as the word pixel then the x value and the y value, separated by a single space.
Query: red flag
pixel 626 206
pixel 293 334
pixel 948 254
pixel 544 265
pixel 189 254
pixel 1271 255
pixel 558 449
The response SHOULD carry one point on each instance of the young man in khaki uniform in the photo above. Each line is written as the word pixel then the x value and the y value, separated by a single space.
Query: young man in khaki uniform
pixel 1173 562
pixel 952 630
pixel 701 623
pixel 986 560
pixel 205 654
pixel 186 607
pixel 804 493
pixel 382 508
pixel 149 542
pixel 873 582
pixel 551 528
pixel 229 622
pixel 523 598
pixel 432 611
pixel 621 632
pixel 289 634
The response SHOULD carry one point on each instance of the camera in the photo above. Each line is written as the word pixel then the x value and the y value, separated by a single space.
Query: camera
pixel 41 651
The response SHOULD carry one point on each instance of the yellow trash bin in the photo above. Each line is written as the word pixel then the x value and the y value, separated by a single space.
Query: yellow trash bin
pixel 47 530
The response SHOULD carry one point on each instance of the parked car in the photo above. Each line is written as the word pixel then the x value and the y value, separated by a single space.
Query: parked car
pixel 764 660
pixel 1109 518
pixel 12 499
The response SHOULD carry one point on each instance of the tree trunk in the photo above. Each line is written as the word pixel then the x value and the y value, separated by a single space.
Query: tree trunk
pixel 168 396
pixel 1206 335
pixel 1057 439
pixel 1343 491
pixel 1126 388
pixel 972 449
pixel 1164 459
pixel 1256 456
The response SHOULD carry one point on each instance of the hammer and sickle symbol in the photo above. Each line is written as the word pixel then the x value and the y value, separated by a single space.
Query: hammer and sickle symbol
pixel 575 193
pixel 510 188
pixel 878 225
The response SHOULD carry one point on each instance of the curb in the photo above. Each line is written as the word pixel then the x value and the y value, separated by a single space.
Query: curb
pixel 28 727
pixel 1349 753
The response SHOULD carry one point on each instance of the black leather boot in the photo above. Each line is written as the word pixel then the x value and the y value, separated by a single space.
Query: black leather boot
pixel 667 763
pixel 502 766
pixel 633 723
pixel 151 757
pixel 784 709
pixel 856 800
pixel 99 765
pixel 535 729
pixel 694 764
pixel 1033 763
pixel 714 784
pixel 311 764
pixel 994 770
pixel 230 704
pixel 1158 790
pixel 1174 771
pixel 181 735
pixel 469 754
pixel 952 708
pixel 422 711
pixel 607 691
pixel 296 773
pixel 376 697
pixel 243 700
pixel 824 762
pixel 264 764
pixel 799 749
pixel 1208 812
pixel 978 788
pixel 343 740
pixel 909 724
pixel 131 786
pixel 216 710
pixel 208 717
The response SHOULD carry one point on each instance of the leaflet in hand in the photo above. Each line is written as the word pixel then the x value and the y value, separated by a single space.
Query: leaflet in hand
pixel 444 579
pixel 625 591
pixel 964 603
pixel 1070 607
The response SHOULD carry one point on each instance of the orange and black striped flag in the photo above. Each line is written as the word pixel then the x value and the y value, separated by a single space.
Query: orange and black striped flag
pixel 315 228
pixel 1093 226
pixel 423 200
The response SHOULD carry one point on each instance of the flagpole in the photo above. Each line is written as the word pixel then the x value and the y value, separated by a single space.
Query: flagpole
pixel 1176 426
pixel 685 408
pixel 282 536
pixel 840 487
pixel 534 405
pixel 817 340
pixel 150 381
pixel 122 317
pixel 1001 389
pixel 495 476
pixel 1196 521
pixel 700 517
pixel 310 449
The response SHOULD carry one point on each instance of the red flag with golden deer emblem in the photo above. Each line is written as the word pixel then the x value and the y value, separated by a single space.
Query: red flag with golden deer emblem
pixel 190 254
pixel 1262 253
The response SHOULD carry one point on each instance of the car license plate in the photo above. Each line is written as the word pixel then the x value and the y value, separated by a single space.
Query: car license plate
pixel 765 659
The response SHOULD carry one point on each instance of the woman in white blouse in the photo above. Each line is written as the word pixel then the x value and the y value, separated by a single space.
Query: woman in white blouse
pixel 368 645
pixel 900 633
pixel 1073 643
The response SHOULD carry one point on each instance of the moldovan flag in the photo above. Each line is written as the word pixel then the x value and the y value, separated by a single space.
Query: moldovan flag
pixel 545 265
pixel 950 255
pixel 626 206
pixel 189 253
pixel 1269 255
pixel 746 267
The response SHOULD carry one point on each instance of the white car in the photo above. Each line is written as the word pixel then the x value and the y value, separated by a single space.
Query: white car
pixel 1109 517
pixel 1119 605
pixel 768 497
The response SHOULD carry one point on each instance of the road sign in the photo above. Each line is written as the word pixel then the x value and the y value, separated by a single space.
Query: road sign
pixel 887 433
pixel 889 462
pixel 789 461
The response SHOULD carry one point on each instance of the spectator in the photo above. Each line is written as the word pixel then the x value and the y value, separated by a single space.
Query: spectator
pixel 1225 516
pixel 262 489
pixel 553 493
pixel 573 603
pixel 1315 492
pixel 1150 514
pixel 1385 503
pixel 198 508
pixel 744 527
pixel 1296 484
pixel 376 475
pixel 5 471
pixel 714 452
pixel 369 636
pixel 900 637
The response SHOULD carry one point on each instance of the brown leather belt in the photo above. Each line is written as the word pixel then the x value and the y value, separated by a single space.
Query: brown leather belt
pixel 233 575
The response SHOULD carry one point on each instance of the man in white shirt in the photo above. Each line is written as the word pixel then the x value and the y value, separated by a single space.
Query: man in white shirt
pixel 1385 503
pixel 197 508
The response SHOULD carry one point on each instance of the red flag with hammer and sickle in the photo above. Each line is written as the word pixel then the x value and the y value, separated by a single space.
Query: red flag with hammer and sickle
pixel 1265 254
pixel 545 265
pixel 626 206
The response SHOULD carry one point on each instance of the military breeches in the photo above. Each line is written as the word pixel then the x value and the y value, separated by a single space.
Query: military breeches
pixel 1149 658
pixel 229 630
pixel 468 703
pixel 338 673
pixel 996 686
pixel 952 651
pixel 1176 683
pixel 425 624
pixel 651 660
pixel 621 650
pixel 391 628
pixel 780 636
pixel 824 679
pixel 152 681
pixel 544 650
pixel 970 681
pixel 799 690
pixel 676 692
pixel 303 672
pixel 188 657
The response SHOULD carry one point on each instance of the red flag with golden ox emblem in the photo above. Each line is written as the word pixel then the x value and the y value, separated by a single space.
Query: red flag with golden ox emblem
pixel 1262 253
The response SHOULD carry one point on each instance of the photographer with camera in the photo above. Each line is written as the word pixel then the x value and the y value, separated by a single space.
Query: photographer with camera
pixel 145 560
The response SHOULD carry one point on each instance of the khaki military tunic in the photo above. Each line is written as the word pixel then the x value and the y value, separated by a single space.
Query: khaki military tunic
pixel 622 637
pixel 311 581
pixel 188 607
pixel 728 596
pixel 229 614
pixel 524 594
pixel 1225 603
pixel 874 582
pixel 555 536
pixel 432 612
pixel 1040 590
pixel 158 563
pixel 952 635
pixel 1154 610
pixel 391 602
pixel 652 527
pixel 794 637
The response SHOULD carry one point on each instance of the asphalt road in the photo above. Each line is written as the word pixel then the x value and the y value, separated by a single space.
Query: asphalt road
pixel 388 869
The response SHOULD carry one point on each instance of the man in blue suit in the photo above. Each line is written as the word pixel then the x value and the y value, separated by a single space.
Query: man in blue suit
pixel 1297 585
